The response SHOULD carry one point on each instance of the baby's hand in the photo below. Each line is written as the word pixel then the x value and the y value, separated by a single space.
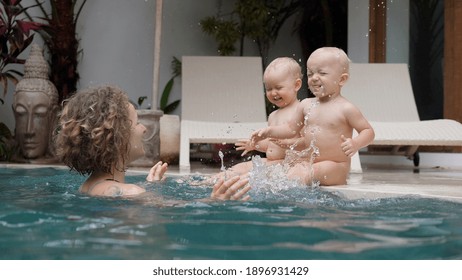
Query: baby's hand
pixel 244 145
pixel 157 172
pixel 348 146
pixel 259 135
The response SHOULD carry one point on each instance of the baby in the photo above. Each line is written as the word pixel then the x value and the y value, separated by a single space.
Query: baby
pixel 326 123
pixel 283 80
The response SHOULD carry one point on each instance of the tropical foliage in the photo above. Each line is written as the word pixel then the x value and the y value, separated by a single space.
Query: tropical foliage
pixel 15 37
pixel 7 144
pixel 165 106
pixel 63 45
pixel 257 20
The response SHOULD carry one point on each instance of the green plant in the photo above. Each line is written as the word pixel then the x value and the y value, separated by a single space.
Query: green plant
pixel 60 37
pixel 164 105
pixel 258 20
pixel 6 143
pixel 15 37
pixel 141 100
pixel 225 32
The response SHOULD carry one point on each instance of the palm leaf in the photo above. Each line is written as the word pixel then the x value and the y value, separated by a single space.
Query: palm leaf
pixel 171 107
pixel 166 94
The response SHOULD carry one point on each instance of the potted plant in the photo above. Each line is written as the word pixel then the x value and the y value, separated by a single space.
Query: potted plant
pixel 15 37
pixel 61 40
pixel 166 146
pixel 150 119
pixel 7 143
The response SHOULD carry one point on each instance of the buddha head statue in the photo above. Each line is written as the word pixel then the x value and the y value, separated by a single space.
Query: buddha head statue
pixel 35 106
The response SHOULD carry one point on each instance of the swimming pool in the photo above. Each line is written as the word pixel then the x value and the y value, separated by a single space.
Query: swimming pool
pixel 42 216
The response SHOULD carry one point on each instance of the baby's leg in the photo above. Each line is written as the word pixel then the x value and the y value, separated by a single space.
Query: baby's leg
pixel 328 173
pixel 331 173
pixel 241 168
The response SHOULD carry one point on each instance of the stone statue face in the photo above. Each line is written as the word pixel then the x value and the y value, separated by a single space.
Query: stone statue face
pixel 32 114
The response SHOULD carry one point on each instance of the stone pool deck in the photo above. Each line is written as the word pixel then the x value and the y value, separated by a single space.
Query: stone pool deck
pixel 438 176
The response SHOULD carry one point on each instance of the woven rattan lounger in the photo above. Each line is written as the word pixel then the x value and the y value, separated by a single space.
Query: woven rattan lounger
pixel 383 93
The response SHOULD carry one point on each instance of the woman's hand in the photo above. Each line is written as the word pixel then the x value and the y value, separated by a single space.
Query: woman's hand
pixel 157 172
pixel 231 189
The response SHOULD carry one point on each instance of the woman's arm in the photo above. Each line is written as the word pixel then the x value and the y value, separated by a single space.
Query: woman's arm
pixel 156 173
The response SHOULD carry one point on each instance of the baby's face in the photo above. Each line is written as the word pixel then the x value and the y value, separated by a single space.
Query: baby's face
pixel 324 74
pixel 281 87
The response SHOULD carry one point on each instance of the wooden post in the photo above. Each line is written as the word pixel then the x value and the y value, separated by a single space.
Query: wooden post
pixel 377 31
pixel 453 60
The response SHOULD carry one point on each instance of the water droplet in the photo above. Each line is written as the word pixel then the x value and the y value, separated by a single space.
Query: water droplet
pixel 221 155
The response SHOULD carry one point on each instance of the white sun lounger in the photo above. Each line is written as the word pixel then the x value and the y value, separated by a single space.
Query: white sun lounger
pixel 383 93
pixel 222 101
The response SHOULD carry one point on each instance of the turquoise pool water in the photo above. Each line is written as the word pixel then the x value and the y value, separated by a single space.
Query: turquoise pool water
pixel 42 216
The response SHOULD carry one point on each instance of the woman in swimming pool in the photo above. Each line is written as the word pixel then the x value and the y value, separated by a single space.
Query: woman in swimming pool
pixel 100 135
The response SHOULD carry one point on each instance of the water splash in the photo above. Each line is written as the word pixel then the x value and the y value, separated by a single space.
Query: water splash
pixel 311 152
pixel 322 91
pixel 222 168
pixel 221 155
pixel 271 178
pixel 308 114
pixel 270 183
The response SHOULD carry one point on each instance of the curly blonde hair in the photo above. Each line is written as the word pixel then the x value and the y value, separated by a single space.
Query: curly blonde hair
pixel 94 130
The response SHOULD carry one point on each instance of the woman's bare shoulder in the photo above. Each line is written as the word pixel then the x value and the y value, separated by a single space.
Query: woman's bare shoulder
pixel 113 189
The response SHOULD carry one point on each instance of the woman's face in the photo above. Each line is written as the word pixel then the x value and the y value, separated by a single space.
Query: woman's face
pixel 136 136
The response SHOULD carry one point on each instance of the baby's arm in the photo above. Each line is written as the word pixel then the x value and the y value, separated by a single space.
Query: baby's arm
pixel 286 131
pixel 246 145
pixel 365 131
pixel 296 143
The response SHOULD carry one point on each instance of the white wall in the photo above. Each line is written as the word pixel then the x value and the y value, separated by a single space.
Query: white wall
pixel 117 43
pixel 397 31
pixel 117 39
pixel 358 30
pixel 182 36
